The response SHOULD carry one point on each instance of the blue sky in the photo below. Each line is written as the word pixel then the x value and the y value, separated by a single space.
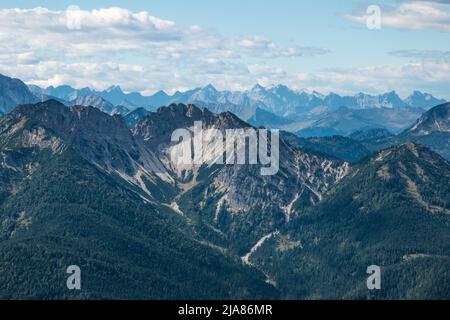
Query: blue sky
pixel 323 45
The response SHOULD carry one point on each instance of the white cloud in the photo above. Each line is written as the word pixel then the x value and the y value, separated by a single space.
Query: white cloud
pixel 413 15
pixel 134 49
pixel 120 31
pixel 431 76
pixel 144 53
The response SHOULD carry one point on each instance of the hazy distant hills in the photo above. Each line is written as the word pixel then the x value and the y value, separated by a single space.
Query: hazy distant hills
pixel 340 147
pixel 431 130
pixel 279 100
pixel 346 121
pixel 371 135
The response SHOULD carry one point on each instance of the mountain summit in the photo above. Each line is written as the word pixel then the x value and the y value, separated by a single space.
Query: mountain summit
pixel 12 93
pixel 423 100
pixel 435 120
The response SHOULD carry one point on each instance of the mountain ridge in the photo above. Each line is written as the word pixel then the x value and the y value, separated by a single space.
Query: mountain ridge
pixel 302 111
pixel 77 173
pixel 59 206
pixel 275 107
pixel 381 213
pixel 270 99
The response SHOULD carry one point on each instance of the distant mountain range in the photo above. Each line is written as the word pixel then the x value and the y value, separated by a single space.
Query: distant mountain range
pixel 432 129
pixel 302 112
pixel 279 100
pixel 306 113
pixel 346 121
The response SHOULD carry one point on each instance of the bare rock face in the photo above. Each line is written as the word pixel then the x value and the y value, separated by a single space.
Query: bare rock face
pixel 157 127
pixel 98 102
pixel 237 198
pixel 103 140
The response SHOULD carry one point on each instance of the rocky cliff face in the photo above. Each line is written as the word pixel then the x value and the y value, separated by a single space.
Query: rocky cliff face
pixel 103 140
pixel 236 199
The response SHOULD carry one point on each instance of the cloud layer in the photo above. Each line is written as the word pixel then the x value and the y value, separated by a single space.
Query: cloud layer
pixel 144 53
pixel 111 45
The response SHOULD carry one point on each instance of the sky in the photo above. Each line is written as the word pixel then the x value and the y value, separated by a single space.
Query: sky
pixel 152 45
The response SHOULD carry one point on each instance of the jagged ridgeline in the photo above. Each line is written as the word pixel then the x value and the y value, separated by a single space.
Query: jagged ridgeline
pixel 81 187
pixel 63 202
